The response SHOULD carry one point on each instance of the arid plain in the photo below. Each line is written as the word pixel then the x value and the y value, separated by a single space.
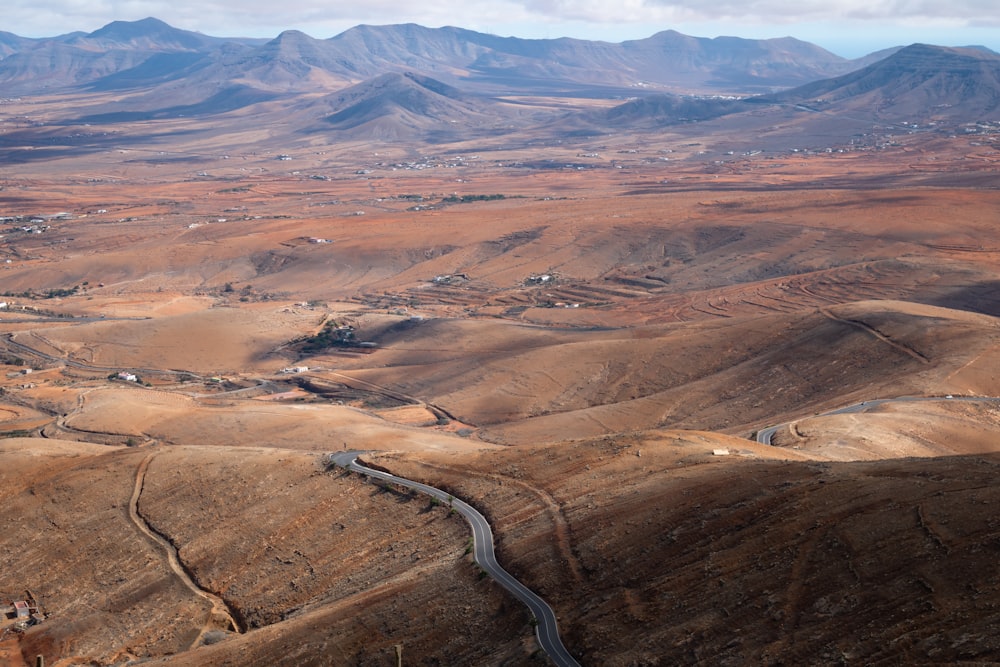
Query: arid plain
pixel 581 337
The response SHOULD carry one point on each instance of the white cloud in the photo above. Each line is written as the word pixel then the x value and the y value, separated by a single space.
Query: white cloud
pixel 583 18
pixel 962 12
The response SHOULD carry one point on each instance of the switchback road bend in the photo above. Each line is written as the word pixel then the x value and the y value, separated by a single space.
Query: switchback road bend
pixel 765 435
pixel 547 630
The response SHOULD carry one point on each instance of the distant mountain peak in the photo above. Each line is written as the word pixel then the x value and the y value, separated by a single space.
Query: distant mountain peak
pixel 917 81
pixel 148 32
pixel 150 54
pixel 399 88
pixel 398 104
pixel 293 36
pixel 131 29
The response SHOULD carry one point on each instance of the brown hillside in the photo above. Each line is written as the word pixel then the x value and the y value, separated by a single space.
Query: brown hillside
pixel 654 550
pixel 525 385
pixel 109 594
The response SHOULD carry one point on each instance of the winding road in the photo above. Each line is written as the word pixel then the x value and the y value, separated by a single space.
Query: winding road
pixel 765 435
pixel 547 630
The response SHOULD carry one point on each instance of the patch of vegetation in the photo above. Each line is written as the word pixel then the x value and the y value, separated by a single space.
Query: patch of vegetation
pixel 213 637
pixel 17 433
pixel 51 293
pixel 332 335
pixel 465 199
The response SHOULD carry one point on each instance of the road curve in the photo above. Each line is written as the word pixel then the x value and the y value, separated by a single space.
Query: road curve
pixel 765 435
pixel 547 630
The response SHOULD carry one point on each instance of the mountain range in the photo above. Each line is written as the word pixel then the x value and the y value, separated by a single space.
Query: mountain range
pixel 397 81
pixel 950 84
pixel 293 60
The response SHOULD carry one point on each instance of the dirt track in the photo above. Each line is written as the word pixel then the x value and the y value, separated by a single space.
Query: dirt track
pixel 221 615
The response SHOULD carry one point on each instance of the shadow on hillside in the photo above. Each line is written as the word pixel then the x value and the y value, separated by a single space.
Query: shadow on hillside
pixel 33 146
pixel 981 297
pixel 232 98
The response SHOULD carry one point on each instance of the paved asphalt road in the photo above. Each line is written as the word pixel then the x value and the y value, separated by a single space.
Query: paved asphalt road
pixel 765 435
pixel 547 629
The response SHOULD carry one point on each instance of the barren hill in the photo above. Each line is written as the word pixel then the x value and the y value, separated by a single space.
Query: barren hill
pixel 920 80
pixel 145 34
pixel 525 387
pixel 116 48
pixel 291 61
pixel 255 256
pixel 916 87
pixel 394 106
pixel 11 43
pixel 731 62
pixel 741 558
pixel 113 597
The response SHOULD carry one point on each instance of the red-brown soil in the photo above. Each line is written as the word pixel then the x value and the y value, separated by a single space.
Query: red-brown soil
pixel 656 552
pixel 322 547
pixel 584 359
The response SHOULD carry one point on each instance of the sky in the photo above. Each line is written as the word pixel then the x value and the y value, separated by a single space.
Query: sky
pixel 849 28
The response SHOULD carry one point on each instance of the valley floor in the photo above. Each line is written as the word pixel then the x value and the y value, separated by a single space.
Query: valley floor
pixel 586 355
